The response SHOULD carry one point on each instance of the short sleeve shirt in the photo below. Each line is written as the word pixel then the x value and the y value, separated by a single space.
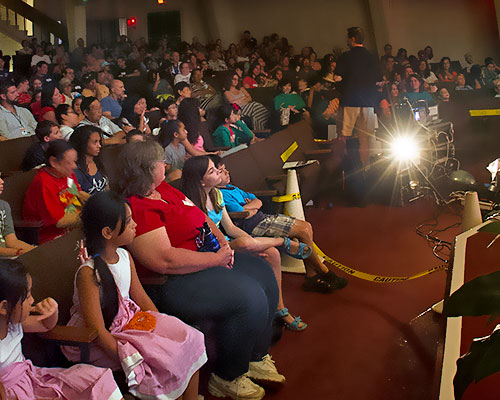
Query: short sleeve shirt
pixel 91 183
pixel 175 212
pixel 234 198
pixel 175 156
pixel 6 224
pixel 48 199
pixel 111 105
pixel 10 346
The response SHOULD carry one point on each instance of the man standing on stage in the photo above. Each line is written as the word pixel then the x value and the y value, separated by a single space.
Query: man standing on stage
pixel 360 71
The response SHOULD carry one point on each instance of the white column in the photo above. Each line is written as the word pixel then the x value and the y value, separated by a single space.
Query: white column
pixel 76 22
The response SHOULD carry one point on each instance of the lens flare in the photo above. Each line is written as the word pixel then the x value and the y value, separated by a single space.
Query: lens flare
pixel 405 148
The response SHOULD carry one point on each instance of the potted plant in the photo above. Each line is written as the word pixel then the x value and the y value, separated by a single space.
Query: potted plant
pixel 480 296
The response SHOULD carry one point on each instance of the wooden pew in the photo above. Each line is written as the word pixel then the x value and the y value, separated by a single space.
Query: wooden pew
pixel 12 153
pixel 52 267
pixel 15 187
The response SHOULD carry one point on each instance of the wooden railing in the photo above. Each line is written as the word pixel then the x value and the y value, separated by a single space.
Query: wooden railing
pixel 20 14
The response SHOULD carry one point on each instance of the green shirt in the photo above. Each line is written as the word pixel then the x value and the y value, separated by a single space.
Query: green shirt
pixel 291 99
pixel 242 134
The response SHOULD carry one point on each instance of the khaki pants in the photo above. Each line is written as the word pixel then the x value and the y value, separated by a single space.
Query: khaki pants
pixel 359 122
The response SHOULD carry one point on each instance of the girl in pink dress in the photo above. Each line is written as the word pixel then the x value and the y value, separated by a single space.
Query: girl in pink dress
pixel 19 378
pixel 159 354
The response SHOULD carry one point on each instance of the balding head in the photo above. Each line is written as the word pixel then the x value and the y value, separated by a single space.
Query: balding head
pixel 117 89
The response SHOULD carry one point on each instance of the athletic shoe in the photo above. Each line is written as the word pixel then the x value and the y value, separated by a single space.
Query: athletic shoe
pixel 241 388
pixel 265 370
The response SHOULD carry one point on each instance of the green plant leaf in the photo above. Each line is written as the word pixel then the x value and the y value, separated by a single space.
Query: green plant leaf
pixel 493 227
pixel 480 296
pixel 490 361
pixel 481 361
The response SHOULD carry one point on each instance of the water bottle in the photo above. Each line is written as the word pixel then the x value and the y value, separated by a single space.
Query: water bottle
pixel 206 240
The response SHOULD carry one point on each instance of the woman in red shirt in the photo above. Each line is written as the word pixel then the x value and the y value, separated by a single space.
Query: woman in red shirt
pixel 230 297
pixel 51 98
pixel 54 196
pixel 445 74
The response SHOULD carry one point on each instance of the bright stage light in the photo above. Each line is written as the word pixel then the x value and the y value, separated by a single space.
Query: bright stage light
pixel 405 148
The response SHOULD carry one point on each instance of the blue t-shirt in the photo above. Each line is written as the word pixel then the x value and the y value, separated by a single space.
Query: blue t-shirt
pixel 234 198
pixel 111 105
pixel 91 184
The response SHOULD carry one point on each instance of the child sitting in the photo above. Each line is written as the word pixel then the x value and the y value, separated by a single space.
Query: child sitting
pixel 233 130
pixel 10 245
pixel 173 138
pixel 19 378
pixel 159 354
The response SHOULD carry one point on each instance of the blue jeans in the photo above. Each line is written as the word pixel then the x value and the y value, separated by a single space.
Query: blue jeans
pixel 238 305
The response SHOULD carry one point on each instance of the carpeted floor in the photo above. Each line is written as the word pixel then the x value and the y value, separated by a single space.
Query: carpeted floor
pixel 366 341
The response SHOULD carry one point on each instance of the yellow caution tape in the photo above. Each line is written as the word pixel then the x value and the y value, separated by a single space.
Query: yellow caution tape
pixel 286 198
pixel 322 140
pixel 288 152
pixel 484 113
pixel 376 278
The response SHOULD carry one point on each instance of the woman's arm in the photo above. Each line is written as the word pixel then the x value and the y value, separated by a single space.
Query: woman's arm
pixel 193 150
pixel 231 229
pixel 137 292
pixel 248 97
pixel 90 303
pixel 154 250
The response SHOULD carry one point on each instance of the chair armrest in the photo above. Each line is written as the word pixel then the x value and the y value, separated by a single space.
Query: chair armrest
pixel 21 223
pixel 265 193
pixel 70 334
pixel 80 337
pixel 239 214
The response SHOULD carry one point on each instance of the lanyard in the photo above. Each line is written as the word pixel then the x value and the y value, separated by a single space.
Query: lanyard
pixel 15 116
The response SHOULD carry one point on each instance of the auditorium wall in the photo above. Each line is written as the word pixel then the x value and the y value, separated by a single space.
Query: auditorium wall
pixel 452 27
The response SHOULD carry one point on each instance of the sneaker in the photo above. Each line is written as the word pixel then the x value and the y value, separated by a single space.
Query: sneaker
pixel 241 388
pixel 265 370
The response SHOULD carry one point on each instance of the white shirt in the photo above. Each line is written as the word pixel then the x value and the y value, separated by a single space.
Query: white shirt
pixel 36 59
pixel 66 131
pixel 13 126
pixel 182 78
pixel 10 346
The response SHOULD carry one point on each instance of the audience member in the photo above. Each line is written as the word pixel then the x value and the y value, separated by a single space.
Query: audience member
pixel 235 93
pixel 111 105
pixel 240 301
pixel 67 120
pixel 133 114
pixel 20 378
pixel 89 83
pixel 14 121
pixel 172 353
pixel 233 131
pixel 87 141
pixel 46 132
pixel 416 91
pixel 40 56
pixel 51 98
pixel 318 277
pixel 445 73
pixel 182 91
pixel 184 75
pixel 169 110
pixel 461 85
pixel 199 183
pixel 91 108
pixel 54 196
pixel 425 72
pixel 23 86
pixel 10 245
pixel 290 105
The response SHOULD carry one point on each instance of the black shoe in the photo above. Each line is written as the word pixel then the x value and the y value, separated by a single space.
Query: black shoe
pixel 336 282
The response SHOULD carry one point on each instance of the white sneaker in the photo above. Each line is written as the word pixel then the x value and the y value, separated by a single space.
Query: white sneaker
pixel 241 388
pixel 265 370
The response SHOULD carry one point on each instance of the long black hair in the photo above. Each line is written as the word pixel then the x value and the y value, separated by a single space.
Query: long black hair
pixel 103 209
pixel 128 110
pixel 80 141
pixel 192 174
pixel 13 283
pixel 167 130
pixel 48 90
pixel 189 114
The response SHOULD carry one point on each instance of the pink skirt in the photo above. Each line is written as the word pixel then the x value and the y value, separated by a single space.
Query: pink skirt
pixel 157 364
pixel 24 381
